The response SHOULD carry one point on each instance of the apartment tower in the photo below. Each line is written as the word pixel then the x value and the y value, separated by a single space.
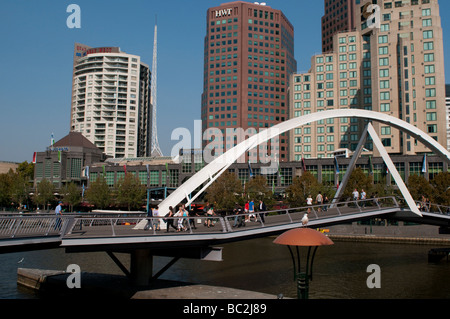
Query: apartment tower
pixel 389 64
pixel 248 61
pixel 111 100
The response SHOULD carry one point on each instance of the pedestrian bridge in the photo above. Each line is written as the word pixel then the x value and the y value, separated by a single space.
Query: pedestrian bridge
pixel 116 231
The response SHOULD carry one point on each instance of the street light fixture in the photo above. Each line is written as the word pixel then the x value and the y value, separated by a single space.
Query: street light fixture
pixel 303 237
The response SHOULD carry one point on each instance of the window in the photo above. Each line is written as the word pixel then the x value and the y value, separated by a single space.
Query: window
pixel 383 39
pixel 428 34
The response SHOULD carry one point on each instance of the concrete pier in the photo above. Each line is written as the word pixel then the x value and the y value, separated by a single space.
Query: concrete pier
pixel 53 284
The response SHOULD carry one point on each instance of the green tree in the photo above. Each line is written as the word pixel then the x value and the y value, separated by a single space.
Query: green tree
pixel 257 189
pixel 418 186
pixel 301 187
pixel 359 180
pixel 5 189
pixel 441 186
pixel 225 192
pixel 130 191
pixel 26 170
pixel 98 193
pixel 45 193
pixel 71 195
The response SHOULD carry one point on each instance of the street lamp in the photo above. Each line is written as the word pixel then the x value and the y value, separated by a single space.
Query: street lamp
pixel 303 237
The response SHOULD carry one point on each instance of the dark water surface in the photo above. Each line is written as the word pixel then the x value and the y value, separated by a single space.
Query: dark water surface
pixel 340 271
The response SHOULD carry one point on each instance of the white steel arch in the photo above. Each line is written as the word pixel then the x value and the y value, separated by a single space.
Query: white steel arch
pixel 213 170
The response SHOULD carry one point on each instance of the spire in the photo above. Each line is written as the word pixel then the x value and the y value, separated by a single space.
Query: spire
pixel 155 149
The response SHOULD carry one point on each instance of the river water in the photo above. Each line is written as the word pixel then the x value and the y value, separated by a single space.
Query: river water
pixel 340 271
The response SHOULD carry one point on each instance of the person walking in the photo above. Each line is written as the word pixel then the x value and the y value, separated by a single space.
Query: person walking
pixel 246 207
pixel 262 208
pixel 363 198
pixel 170 220
pixel 251 210
pixel 155 221
pixel 58 212
pixel 309 201
pixel 319 200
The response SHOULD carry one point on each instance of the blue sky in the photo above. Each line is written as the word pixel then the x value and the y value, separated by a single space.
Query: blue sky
pixel 37 48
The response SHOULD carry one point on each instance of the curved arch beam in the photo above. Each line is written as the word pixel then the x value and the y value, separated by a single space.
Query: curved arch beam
pixel 221 163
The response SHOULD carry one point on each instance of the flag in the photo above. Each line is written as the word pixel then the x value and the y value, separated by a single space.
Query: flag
pixel 424 164
pixel 34 158
pixel 336 165
pixel 59 156
pixel 52 140
pixel 86 172
pixel 125 169
pixel 250 169
pixel 82 193
pixel 303 164
pixel 148 171
pixel 104 170
pixel 370 166
pixel 273 186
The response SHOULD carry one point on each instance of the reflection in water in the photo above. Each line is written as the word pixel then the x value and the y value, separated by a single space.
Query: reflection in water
pixel 259 265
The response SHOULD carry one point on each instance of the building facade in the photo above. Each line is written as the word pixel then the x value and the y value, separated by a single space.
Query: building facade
pixel 111 100
pixel 338 17
pixel 389 66
pixel 65 161
pixel 248 60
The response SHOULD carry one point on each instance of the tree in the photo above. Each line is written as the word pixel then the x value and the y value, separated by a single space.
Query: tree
pixel 301 187
pixel 45 191
pixel 418 186
pixel 130 191
pixel 225 192
pixel 256 189
pixel 71 195
pixel 98 193
pixel 441 186
pixel 359 180
pixel 5 189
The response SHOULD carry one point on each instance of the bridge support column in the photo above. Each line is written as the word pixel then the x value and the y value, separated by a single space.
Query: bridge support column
pixel 141 267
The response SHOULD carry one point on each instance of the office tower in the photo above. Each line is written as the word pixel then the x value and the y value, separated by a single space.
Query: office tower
pixel 338 17
pixel 111 100
pixel 389 66
pixel 248 60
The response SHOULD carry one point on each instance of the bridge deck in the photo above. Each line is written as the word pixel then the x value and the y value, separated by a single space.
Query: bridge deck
pixel 88 231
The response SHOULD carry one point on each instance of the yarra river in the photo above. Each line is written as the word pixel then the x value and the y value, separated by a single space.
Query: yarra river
pixel 340 271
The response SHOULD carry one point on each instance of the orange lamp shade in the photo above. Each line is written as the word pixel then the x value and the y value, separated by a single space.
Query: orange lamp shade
pixel 303 237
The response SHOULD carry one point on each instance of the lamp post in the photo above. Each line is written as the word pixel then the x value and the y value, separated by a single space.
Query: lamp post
pixel 303 237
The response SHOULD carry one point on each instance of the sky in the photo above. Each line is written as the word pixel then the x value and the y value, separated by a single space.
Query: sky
pixel 37 51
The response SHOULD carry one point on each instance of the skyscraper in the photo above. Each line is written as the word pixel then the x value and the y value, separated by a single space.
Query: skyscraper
pixel 389 64
pixel 111 100
pixel 338 17
pixel 248 60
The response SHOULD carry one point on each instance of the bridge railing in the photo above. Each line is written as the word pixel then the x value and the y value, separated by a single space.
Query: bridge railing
pixel 32 226
pixel 314 212
pixel 433 208
pixel 117 225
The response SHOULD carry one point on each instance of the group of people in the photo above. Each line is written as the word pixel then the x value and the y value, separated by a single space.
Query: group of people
pixel 246 215
pixel 321 200
pixel 179 219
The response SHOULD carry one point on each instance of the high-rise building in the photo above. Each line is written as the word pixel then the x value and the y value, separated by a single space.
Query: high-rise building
pixel 390 66
pixel 111 100
pixel 338 17
pixel 248 61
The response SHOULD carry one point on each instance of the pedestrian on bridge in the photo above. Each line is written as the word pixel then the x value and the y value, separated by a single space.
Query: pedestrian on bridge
pixel 58 212
pixel 155 213
pixel 319 200
pixel 262 208
pixel 309 201
pixel 170 220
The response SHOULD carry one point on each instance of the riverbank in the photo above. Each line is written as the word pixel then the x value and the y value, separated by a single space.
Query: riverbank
pixel 398 234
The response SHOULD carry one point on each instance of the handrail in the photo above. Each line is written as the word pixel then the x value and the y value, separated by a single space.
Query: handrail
pixel 73 225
